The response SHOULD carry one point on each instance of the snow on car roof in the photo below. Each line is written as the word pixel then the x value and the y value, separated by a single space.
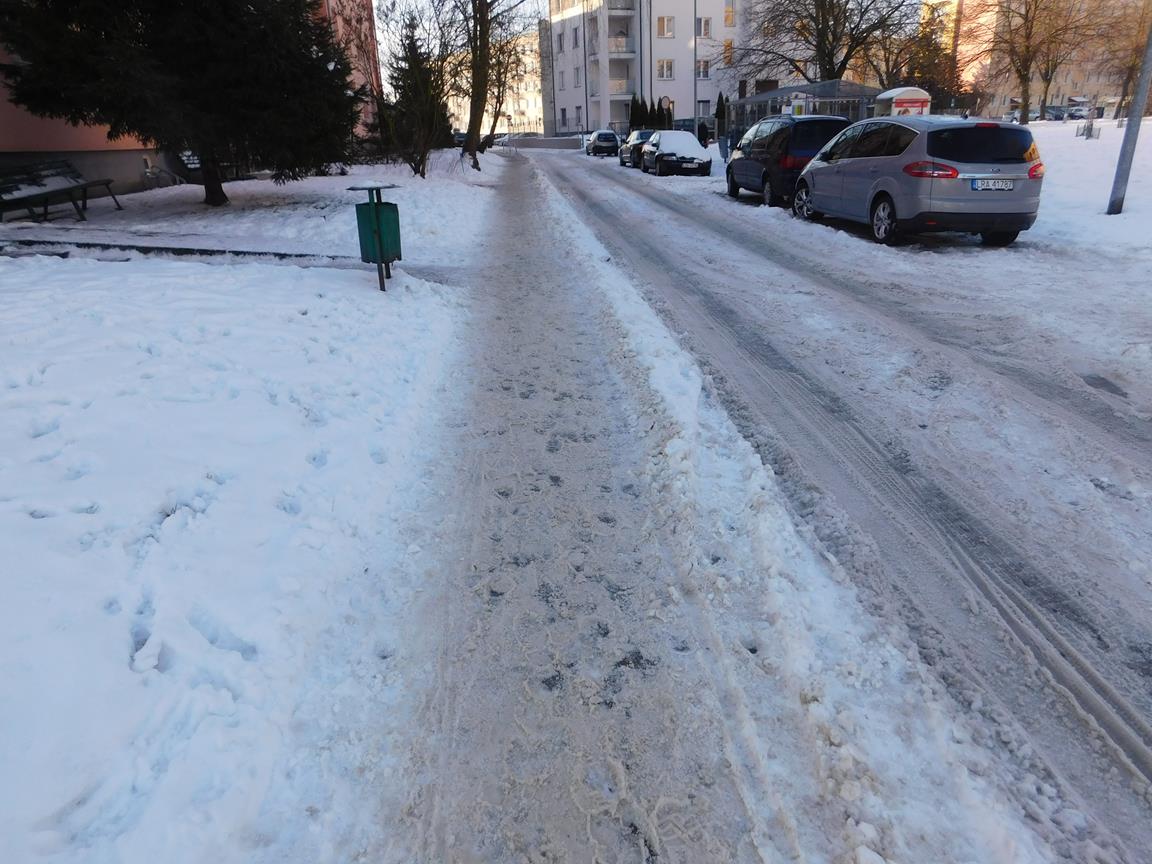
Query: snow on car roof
pixel 681 142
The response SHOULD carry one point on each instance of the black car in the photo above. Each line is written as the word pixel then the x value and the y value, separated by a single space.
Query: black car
pixel 771 155
pixel 602 142
pixel 630 149
pixel 673 151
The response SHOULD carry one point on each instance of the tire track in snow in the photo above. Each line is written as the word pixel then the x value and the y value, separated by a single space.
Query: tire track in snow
pixel 820 426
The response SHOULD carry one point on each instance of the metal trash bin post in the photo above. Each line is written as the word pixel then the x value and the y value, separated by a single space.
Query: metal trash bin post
pixel 378 227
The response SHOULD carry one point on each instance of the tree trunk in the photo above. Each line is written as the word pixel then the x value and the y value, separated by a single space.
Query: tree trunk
pixel 213 185
pixel 1025 99
pixel 481 59
pixel 1121 106
pixel 1044 99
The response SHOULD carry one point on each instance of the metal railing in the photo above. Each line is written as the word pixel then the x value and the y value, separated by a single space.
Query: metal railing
pixel 621 86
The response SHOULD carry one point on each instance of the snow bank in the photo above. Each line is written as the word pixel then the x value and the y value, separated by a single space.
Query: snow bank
pixel 200 469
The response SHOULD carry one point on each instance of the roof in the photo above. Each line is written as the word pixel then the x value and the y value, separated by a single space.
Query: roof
pixel 837 89
pixel 928 121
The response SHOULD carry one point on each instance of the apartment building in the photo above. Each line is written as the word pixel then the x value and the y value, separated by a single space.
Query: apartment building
pixel 603 52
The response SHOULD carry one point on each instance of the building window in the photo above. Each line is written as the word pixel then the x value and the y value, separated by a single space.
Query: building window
pixel 561 79
pixel 579 117
pixel 704 108
pixel 666 26
pixel 702 69
pixel 575 37
pixel 664 70
pixel 727 52
pixel 560 43
pixel 704 28
pixel 575 76
pixel 729 13
pixel 564 118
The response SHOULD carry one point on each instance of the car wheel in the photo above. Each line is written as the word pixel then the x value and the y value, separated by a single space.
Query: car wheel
pixel 999 238
pixel 643 166
pixel 659 164
pixel 802 203
pixel 884 220
pixel 733 186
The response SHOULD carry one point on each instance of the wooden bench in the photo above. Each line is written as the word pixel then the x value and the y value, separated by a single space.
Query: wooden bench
pixel 27 187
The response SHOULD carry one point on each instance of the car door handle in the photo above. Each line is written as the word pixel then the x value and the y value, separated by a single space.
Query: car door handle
pixel 873 170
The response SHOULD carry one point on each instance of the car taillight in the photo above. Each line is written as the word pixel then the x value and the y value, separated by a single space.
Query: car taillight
pixel 1036 171
pixel 931 169
pixel 793 163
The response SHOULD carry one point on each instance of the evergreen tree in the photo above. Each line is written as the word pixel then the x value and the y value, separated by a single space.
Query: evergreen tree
pixel 419 120
pixel 721 115
pixel 262 81
pixel 666 117
pixel 643 119
pixel 634 113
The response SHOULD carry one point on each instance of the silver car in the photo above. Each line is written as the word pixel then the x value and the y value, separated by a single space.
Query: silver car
pixel 920 174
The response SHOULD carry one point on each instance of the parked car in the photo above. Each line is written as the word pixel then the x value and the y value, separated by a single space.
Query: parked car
pixel 1077 114
pixel 1053 112
pixel 602 142
pixel 1014 116
pixel 671 151
pixel 771 155
pixel 630 150
pixel 920 174
pixel 458 138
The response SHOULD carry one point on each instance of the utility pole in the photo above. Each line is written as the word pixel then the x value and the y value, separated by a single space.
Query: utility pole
pixel 1131 131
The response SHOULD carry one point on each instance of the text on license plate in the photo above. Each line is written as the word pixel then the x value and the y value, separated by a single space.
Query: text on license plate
pixel 994 184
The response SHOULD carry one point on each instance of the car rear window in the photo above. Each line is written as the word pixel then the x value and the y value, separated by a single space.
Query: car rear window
pixel 815 134
pixel 981 144
pixel 605 136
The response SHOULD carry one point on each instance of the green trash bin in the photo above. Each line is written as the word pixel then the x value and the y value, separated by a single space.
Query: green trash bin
pixel 378 224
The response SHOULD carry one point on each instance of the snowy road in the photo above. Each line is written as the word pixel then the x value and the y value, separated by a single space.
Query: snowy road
pixel 922 519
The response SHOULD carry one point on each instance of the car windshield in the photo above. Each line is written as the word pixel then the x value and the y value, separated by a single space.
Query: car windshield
pixel 643 135
pixel 814 134
pixel 990 143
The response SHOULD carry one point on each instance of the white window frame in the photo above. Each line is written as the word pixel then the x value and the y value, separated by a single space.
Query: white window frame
pixel 575 37
pixel 561 79
pixel 704 28
pixel 666 27
pixel 661 68
pixel 575 76
pixel 729 13
pixel 707 66
pixel 560 42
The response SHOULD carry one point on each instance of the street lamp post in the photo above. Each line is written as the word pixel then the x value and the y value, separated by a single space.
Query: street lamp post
pixel 1131 131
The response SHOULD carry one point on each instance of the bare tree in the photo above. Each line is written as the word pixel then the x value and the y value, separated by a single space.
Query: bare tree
pixel 815 39
pixel 1124 48
pixel 507 67
pixel 1020 37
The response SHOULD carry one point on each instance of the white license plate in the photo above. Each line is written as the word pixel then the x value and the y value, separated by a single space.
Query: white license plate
pixel 993 184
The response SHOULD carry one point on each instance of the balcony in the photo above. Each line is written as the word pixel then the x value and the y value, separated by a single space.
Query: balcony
pixel 621 87
pixel 621 45
pixel 620 7
pixel 593 88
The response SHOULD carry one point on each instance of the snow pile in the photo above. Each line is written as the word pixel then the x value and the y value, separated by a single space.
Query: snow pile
pixel 831 717
pixel 200 468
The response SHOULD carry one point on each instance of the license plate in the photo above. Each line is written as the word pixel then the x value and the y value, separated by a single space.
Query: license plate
pixel 993 184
